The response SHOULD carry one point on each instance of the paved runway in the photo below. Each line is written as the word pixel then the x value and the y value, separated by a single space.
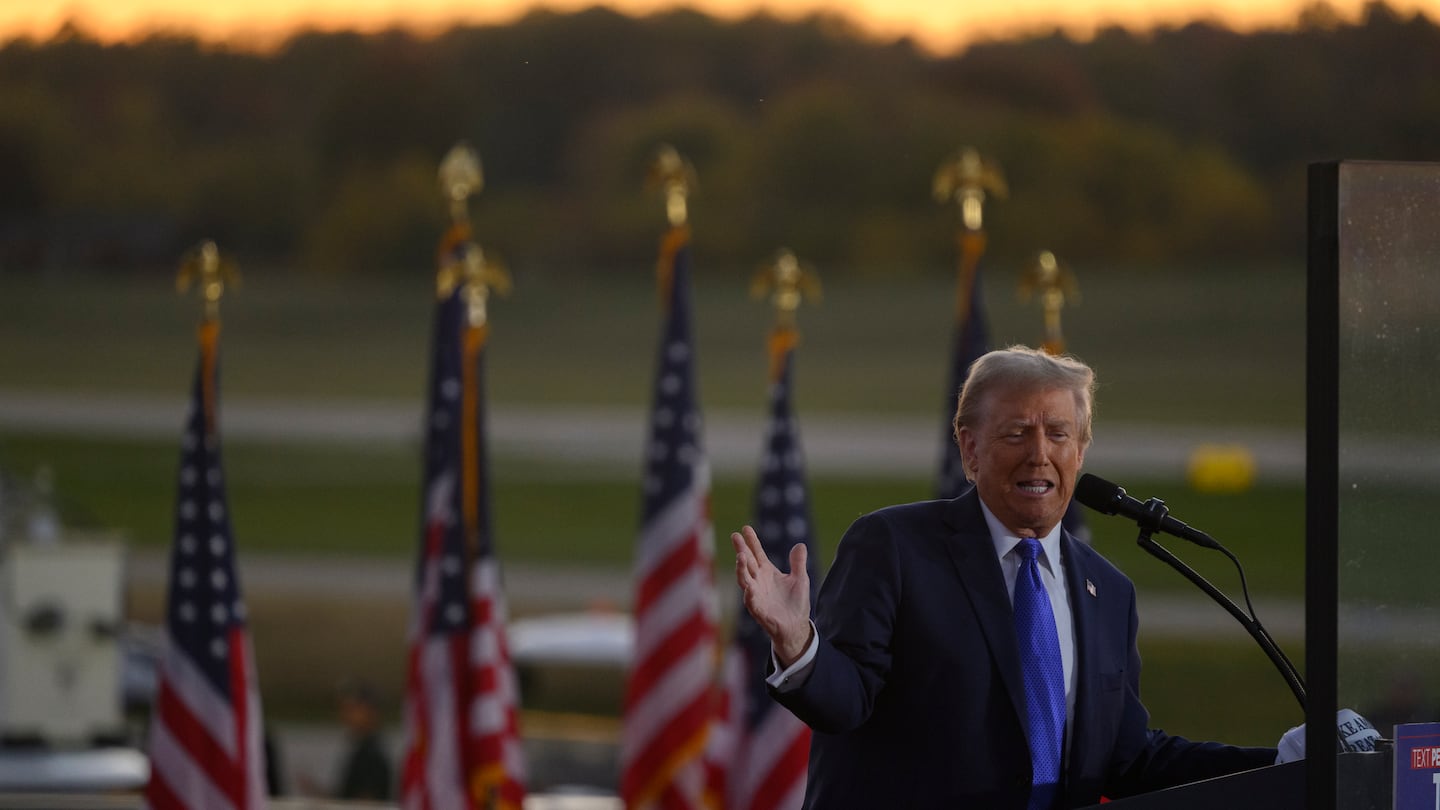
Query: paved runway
pixel 835 443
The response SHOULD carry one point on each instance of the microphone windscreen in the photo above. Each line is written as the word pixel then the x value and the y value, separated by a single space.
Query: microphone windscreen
pixel 1097 493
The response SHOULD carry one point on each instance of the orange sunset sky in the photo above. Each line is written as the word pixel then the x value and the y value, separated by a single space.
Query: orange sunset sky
pixel 939 24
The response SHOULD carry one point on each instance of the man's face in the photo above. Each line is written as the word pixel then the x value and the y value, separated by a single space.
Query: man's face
pixel 1024 456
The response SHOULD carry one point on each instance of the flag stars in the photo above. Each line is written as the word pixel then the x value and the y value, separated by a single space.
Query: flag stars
pixel 664 417
pixel 677 352
pixel 670 384
pixel 795 494
pixel 204 599
pixel 454 614
pixel 687 454
pixel 796 527
pixel 450 389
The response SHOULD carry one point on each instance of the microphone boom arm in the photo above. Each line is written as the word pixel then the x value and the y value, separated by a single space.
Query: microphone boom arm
pixel 1155 512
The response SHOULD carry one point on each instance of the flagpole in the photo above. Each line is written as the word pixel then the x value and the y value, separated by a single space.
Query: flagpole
pixel 476 275
pixel 967 180
pixel 462 703
pixel 206 732
pixel 1056 286
pixel 205 269
pixel 672 175
pixel 759 756
pixel 787 282
pixel 670 690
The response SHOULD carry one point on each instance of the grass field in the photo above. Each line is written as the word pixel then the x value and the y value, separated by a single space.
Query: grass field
pixel 359 500
pixel 1222 345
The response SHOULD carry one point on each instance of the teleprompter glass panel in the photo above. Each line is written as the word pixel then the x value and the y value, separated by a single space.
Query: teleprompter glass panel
pixel 1387 487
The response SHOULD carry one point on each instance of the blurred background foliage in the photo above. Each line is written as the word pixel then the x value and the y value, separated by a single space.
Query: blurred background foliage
pixel 1172 145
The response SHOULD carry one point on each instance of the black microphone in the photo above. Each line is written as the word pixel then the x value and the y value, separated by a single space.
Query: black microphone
pixel 1110 499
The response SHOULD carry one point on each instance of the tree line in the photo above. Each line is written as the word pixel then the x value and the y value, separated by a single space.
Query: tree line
pixel 1178 144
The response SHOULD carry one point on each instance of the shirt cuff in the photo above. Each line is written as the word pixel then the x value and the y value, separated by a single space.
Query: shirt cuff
pixel 794 676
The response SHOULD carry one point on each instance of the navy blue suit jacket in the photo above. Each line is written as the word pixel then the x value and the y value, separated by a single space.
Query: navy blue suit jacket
pixel 916 698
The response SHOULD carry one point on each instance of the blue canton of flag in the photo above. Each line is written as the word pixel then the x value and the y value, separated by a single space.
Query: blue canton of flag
pixel 762 752
pixel 205 737
pixel 443 498
pixel 675 451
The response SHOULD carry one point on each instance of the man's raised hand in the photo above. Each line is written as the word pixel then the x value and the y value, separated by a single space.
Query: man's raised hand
pixel 779 602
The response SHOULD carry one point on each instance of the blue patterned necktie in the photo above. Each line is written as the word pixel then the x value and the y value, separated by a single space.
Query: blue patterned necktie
pixel 1044 676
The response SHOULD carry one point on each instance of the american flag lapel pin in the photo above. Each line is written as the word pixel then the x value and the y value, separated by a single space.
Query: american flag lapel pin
pixel 1090 586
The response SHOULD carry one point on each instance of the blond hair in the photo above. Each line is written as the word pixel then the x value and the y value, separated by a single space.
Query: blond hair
pixel 1024 367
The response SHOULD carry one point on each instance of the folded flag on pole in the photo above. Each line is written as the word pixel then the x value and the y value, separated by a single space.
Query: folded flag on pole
pixel 1054 285
pixel 670 692
pixel 972 339
pixel 760 750
pixel 205 742
pixel 463 747
pixel 966 180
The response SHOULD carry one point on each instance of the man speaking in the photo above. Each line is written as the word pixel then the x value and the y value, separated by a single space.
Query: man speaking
pixel 971 653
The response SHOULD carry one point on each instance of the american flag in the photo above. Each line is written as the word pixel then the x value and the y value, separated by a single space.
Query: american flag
pixel 761 750
pixel 669 699
pixel 972 339
pixel 205 742
pixel 463 745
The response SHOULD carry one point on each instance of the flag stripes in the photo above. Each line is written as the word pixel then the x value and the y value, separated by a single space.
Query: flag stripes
pixel 463 745
pixel 758 759
pixel 670 695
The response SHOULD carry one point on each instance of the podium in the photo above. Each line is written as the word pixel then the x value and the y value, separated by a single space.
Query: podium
pixel 1364 779
pixel 1278 787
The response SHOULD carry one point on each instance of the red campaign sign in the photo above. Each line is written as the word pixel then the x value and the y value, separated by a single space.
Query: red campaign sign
pixel 1427 757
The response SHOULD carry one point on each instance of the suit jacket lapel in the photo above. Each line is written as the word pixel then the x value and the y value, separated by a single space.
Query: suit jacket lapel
pixel 973 554
pixel 1085 609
